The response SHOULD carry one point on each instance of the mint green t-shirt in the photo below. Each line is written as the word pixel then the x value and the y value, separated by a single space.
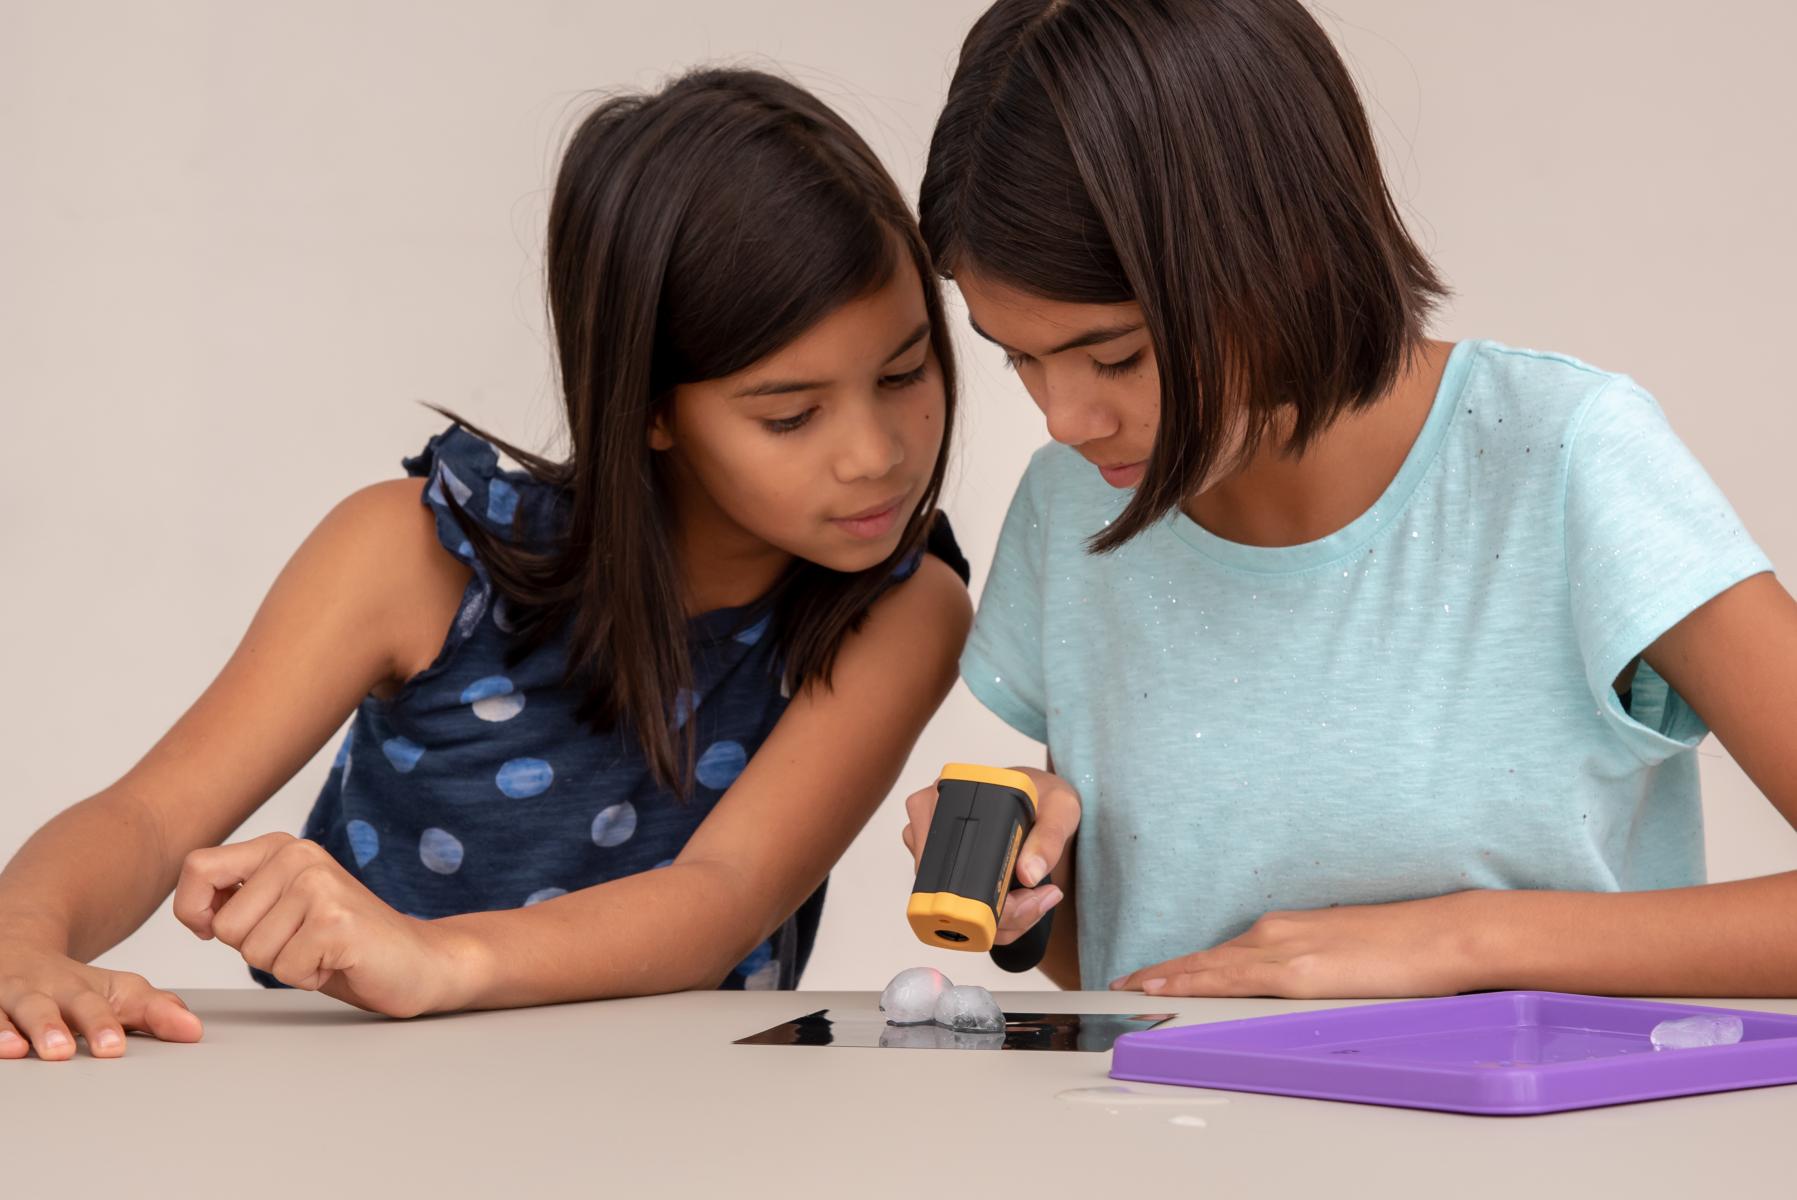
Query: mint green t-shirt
pixel 1419 703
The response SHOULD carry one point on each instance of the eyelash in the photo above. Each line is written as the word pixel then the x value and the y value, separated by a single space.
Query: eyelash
pixel 1113 370
pixel 1104 370
pixel 908 378
pixel 796 422
pixel 792 424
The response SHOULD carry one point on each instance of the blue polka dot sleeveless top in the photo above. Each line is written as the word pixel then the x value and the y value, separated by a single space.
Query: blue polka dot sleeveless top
pixel 477 788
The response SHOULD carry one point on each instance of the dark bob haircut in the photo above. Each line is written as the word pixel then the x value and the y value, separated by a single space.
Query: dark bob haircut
pixel 1210 161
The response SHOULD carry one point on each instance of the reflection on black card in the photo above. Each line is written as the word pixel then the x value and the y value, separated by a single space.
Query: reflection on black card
pixel 1023 1031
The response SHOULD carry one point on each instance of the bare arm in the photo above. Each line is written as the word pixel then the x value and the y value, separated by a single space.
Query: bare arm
pixel 344 617
pixel 770 841
pixel 1734 660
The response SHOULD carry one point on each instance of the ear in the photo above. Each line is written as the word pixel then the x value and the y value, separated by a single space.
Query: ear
pixel 660 436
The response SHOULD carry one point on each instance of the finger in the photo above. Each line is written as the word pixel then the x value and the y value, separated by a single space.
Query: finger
pixel 218 869
pixel 302 961
pixel 1229 961
pixel 90 1015
pixel 1024 907
pixel 12 1042
pixel 1242 978
pixel 262 945
pixel 39 1018
pixel 274 880
pixel 151 1010
pixel 920 807
pixel 1057 818
pixel 1133 981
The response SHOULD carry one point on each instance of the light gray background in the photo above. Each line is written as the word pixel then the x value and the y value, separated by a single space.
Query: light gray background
pixel 238 242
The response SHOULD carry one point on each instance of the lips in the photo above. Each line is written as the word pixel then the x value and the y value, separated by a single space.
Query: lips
pixel 1124 475
pixel 873 522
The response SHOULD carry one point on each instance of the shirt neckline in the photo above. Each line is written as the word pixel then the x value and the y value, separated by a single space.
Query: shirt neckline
pixel 1284 560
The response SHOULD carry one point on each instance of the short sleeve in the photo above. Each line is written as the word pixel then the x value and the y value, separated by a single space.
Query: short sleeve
pixel 1002 662
pixel 1650 538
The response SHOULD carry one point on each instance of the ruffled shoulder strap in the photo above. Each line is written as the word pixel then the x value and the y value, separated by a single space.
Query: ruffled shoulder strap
pixel 509 504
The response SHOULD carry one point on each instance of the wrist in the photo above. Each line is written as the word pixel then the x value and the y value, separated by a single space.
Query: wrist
pixel 467 963
pixel 34 930
pixel 1482 945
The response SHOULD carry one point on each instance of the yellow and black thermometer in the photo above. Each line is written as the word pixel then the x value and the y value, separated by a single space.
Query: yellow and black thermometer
pixel 982 816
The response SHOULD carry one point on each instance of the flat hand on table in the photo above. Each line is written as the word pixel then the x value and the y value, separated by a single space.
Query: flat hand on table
pixel 47 999
pixel 1412 948
pixel 292 910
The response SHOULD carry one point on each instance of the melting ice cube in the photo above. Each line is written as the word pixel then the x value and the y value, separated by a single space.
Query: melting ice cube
pixel 915 1037
pixel 969 1009
pixel 910 999
pixel 1705 1029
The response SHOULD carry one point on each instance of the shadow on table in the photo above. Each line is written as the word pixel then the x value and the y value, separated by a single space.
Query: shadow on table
pixel 249 1012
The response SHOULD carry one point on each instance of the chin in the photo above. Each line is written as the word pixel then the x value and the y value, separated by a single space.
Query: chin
pixel 862 556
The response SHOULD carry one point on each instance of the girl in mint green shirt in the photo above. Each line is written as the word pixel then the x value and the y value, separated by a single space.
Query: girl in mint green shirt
pixel 1367 664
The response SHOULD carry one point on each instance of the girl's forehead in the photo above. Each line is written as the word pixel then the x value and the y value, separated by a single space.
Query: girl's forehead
pixel 873 330
pixel 1039 325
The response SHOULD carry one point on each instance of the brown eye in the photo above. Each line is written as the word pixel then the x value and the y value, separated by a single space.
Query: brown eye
pixel 787 424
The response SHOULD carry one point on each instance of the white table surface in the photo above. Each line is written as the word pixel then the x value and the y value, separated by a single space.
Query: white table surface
pixel 292 1094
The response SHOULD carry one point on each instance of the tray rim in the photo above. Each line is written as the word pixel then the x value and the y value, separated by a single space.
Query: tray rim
pixel 1514 1090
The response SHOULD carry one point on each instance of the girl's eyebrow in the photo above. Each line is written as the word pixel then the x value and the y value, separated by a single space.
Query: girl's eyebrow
pixel 917 335
pixel 781 387
pixel 1091 337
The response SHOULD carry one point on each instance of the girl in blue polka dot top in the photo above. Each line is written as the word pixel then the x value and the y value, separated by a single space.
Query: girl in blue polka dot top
pixel 613 715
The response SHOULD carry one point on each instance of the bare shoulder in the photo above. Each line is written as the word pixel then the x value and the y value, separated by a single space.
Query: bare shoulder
pixel 385 524
pixel 365 602
pixel 933 593
pixel 378 550
pixel 390 513
pixel 929 613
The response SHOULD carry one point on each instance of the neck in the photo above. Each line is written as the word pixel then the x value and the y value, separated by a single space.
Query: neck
pixel 1283 499
pixel 720 564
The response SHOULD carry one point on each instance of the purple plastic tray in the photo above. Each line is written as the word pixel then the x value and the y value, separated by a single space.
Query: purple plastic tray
pixel 1499 1053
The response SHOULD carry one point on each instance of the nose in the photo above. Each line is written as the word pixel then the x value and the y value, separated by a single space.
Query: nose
pixel 1073 419
pixel 871 446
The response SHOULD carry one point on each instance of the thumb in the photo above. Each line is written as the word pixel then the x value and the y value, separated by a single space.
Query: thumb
pixel 1057 819
pixel 162 1014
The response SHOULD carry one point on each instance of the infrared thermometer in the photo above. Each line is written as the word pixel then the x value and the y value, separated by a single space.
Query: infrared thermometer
pixel 982 816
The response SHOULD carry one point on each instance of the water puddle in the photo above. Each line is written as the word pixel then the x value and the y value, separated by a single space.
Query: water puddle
pixel 1118 1096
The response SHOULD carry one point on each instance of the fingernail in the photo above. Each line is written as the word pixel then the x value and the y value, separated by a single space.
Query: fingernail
pixel 8 1038
pixel 107 1039
pixel 1118 982
pixel 56 1039
pixel 1034 868
pixel 1154 985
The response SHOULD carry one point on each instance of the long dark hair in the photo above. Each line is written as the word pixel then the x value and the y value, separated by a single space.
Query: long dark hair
pixel 1209 160
pixel 693 231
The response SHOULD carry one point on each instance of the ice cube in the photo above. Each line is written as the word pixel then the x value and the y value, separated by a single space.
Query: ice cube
pixel 910 999
pixel 1704 1029
pixel 969 1009
pixel 957 1039
pixel 915 1037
